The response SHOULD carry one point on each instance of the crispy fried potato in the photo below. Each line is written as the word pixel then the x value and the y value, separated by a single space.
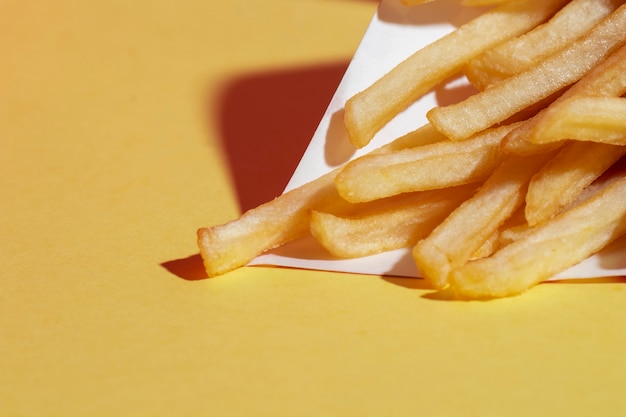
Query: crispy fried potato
pixel 584 118
pixel 518 54
pixel 608 78
pixel 548 248
pixel 438 165
pixel 489 211
pixel 461 234
pixel 371 109
pixel 390 224
pixel 504 99
pixel 234 244
pixel 562 179
pixel 231 245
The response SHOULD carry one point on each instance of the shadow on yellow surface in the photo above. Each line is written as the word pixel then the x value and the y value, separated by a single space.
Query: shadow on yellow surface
pixel 189 268
pixel 266 121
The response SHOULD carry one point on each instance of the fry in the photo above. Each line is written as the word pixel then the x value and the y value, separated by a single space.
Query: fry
pixel 371 109
pixel 584 118
pixel 518 54
pixel 461 234
pixel 547 249
pixel 398 223
pixel 563 178
pixel 606 79
pixel 506 98
pixel 231 245
pixel 439 165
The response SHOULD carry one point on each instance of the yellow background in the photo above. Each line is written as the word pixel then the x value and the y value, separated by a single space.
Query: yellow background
pixel 125 126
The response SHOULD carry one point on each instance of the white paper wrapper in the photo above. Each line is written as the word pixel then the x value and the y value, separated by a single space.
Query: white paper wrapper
pixel 394 33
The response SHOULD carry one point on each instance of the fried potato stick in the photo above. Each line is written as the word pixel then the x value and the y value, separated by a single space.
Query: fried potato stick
pixel 460 235
pixel 504 99
pixel 546 249
pixel 584 118
pixel 438 165
pixel 372 108
pixel 606 79
pixel 518 54
pixel 231 245
pixel 396 223
pixel 562 179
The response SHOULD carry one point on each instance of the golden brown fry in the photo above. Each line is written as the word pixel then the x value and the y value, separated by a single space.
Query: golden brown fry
pixel 547 249
pixel 506 98
pixel 461 234
pixel 394 223
pixel 231 245
pixel 371 109
pixel 518 54
pixel 439 165
pixel 606 79
pixel 563 178
pixel 584 118
pixel 234 244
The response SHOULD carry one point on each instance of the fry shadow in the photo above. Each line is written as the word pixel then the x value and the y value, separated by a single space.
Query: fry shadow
pixel 190 268
pixel 266 121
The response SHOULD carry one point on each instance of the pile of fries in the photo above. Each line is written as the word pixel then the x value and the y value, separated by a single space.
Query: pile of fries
pixel 497 192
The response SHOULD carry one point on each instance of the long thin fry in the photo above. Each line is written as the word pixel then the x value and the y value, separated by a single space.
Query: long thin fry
pixel 439 165
pixel 506 98
pixel 595 119
pixel 518 54
pixel 398 224
pixel 547 249
pixel 606 79
pixel 562 179
pixel 371 109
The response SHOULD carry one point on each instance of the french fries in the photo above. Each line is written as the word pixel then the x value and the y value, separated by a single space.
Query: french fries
pixel 496 193
pixel 606 79
pixel 233 244
pixel 548 248
pixel 557 185
pixel 585 118
pixel 371 109
pixel 398 222
pixel 461 120
pixel 518 54
pixel 467 228
pixel 435 166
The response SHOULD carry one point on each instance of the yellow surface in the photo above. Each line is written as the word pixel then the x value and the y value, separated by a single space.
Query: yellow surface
pixel 120 124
